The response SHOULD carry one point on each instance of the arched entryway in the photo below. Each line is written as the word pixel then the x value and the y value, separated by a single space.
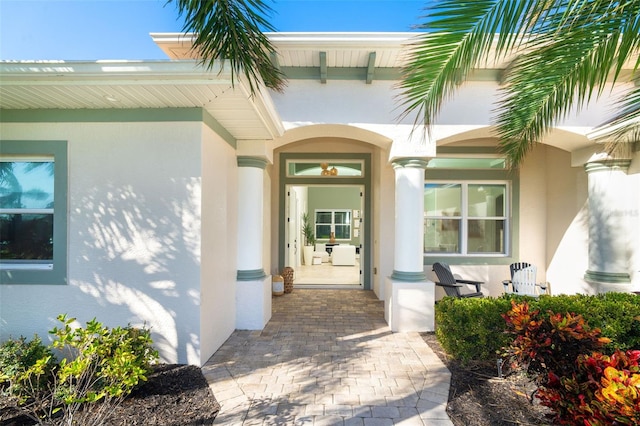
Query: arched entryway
pixel 334 189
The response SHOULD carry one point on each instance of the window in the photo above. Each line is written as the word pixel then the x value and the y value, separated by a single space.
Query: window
pixel 468 163
pixel 33 212
pixel 466 218
pixel 336 221
pixel 326 169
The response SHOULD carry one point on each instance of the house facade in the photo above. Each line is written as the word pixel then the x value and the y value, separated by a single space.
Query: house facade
pixel 167 195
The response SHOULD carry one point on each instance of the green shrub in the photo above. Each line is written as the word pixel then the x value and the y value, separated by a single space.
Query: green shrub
pixel 617 315
pixel 101 362
pixel 100 365
pixel 473 329
pixel 17 356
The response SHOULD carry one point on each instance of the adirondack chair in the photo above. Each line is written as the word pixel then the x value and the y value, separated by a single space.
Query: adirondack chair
pixel 523 280
pixel 512 269
pixel 451 284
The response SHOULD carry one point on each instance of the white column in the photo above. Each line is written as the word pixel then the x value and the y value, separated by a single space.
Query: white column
pixel 409 296
pixel 610 224
pixel 408 262
pixel 253 286
pixel 250 216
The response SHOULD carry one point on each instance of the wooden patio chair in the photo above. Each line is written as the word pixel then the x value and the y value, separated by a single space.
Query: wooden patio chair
pixel 523 280
pixel 451 284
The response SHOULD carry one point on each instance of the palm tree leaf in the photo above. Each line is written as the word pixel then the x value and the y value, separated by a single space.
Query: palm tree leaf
pixel 567 52
pixel 624 128
pixel 565 69
pixel 231 30
pixel 459 35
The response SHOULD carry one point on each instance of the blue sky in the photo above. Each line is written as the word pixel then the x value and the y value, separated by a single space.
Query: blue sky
pixel 119 29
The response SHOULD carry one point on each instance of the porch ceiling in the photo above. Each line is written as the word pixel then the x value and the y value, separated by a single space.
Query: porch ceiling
pixel 127 84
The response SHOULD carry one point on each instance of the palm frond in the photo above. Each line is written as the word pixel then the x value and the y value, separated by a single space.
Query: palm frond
pixel 232 30
pixel 621 131
pixel 567 52
pixel 564 69
pixel 459 35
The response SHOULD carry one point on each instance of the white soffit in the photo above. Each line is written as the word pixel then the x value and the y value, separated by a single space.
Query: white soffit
pixel 145 84
pixel 347 50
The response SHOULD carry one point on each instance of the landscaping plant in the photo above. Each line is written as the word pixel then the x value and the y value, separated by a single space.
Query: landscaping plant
pixel 18 355
pixel 473 329
pixel 575 379
pixel 99 369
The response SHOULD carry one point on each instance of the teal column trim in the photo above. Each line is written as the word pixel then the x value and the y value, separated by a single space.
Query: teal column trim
pixel 251 275
pixel 256 162
pixel 408 276
pixel 410 163
pixel 607 165
pixel 607 277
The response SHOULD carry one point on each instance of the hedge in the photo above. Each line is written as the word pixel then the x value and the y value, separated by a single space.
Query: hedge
pixel 473 329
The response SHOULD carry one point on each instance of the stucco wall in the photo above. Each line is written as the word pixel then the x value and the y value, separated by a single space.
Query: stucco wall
pixel 384 226
pixel 219 243
pixel 135 199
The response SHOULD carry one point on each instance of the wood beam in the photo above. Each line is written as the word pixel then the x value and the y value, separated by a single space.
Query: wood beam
pixel 323 67
pixel 274 60
pixel 371 67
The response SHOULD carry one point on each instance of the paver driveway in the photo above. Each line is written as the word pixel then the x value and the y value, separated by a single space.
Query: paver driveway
pixel 327 357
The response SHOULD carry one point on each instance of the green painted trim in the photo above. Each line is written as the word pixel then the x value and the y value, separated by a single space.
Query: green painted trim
pixel 470 260
pixel 474 174
pixel 341 73
pixel 251 275
pixel 607 166
pixel 365 181
pixel 371 69
pixel 219 129
pixel 379 73
pixel 408 276
pixel 57 275
pixel 323 67
pixel 410 163
pixel 114 115
pixel 255 162
pixel 467 150
pixel 607 277
pixel 100 115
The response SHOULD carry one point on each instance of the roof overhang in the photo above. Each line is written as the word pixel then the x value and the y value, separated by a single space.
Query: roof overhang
pixel 144 84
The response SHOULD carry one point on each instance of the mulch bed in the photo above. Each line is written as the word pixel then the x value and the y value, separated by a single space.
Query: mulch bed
pixel 478 397
pixel 174 395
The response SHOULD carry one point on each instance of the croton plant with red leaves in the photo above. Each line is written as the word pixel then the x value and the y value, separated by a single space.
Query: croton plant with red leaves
pixel 581 385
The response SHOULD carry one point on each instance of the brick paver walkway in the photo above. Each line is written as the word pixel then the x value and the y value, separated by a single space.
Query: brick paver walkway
pixel 327 357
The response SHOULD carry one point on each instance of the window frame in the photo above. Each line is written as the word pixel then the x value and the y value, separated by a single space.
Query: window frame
pixel 317 170
pixel 464 217
pixel 25 272
pixel 478 175
pixel 333 222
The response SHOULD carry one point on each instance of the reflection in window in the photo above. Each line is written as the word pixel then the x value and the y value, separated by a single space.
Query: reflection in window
pixel 26 209
pixel 326 169
pixel 466 163
pixel 465 218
